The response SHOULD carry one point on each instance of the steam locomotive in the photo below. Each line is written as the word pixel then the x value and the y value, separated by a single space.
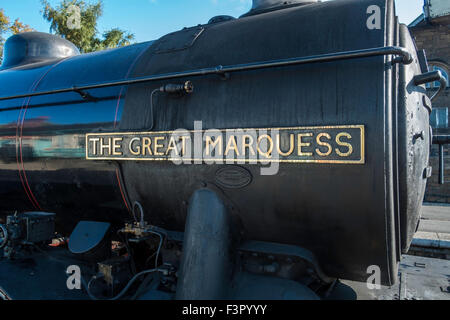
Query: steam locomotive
pixel 154 159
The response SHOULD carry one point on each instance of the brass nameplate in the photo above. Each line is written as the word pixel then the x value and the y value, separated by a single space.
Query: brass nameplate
pixel 321 144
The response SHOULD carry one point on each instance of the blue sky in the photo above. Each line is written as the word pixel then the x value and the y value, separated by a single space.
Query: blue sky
pixel 151 19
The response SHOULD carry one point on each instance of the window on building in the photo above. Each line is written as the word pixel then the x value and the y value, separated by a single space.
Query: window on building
pixel 445 73
pixel 439 118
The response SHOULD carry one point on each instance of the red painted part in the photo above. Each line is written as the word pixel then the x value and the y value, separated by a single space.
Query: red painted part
pixel 19 150
pixel 121 190
pixel 115 123
pixel 19 138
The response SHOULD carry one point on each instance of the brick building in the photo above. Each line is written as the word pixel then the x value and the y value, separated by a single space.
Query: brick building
pixel 431 31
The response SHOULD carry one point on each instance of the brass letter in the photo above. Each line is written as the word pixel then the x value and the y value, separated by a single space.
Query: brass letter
pixel 267 154
pixel 183 141
pixel 344 144
pixel 210 143
pixel 117 146
pixel 105 146
pixel 146 146
pixel 158 146
pixel 285 154
pixel 324 144
pixel 232 141
pixel 303 144
pixel 138 150
pixel 172 146
pixel 94 145
pixel 248 145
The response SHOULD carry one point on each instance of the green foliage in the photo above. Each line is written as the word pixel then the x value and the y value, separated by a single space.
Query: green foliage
pixel 62 19
pixel 7 26
pixel 116 38
pixel 84 36
pixel 4 22
pixel 19 27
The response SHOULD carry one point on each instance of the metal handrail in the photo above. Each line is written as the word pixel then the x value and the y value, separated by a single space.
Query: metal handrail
pixel 432 77
pixel 403 56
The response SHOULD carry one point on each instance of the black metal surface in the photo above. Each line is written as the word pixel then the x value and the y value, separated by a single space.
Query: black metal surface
pixel 247 286
pixel 286 251
pixel 349 216
pixel 43 277
pixel 91 241
pixel 48 133
pixel 264 6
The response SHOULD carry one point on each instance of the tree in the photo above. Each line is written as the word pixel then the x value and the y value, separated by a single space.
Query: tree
pixel 19 27
pixel 14 28
pixel 76 21
pixel 116 38
pixel 4 23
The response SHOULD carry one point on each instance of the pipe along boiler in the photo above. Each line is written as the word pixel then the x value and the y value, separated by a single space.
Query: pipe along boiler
pixel 262 157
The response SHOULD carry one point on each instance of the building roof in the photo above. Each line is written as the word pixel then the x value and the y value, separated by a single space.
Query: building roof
pixel 432 9
pixel 418 21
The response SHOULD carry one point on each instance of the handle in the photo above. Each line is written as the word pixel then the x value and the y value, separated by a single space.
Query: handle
pixel 432 77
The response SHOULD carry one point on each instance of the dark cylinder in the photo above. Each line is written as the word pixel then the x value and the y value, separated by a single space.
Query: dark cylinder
pixel 205 266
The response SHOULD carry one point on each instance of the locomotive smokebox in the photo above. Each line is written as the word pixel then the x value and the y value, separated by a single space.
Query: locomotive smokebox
pixel 341 109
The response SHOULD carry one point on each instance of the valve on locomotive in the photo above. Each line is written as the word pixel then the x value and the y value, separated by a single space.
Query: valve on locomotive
pixel 182 89
pixel 124 258
pixel 26 230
